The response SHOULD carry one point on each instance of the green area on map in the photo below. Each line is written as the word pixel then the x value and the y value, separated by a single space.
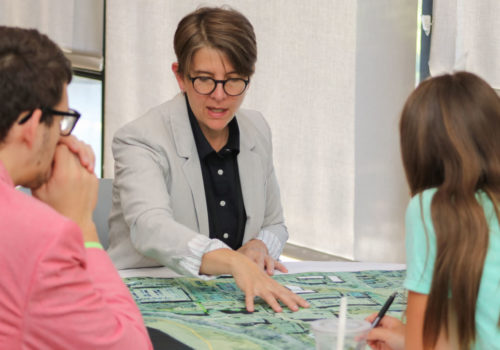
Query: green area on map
pixel 212 315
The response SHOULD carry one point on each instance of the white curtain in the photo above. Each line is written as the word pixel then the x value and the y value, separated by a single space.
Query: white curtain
pixel 75 25
pixel 466 36
pixel 318 61
pixel 52 17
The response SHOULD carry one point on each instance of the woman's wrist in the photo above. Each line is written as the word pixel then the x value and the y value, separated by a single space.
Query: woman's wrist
pixel 219 261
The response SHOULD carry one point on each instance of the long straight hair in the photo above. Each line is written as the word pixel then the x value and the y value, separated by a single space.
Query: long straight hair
pixel 450 140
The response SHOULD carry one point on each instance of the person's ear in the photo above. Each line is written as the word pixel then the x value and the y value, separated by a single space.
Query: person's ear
pixel 178 76
pixel 30 128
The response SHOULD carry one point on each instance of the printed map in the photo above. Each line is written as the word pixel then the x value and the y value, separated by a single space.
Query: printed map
pixel 212 314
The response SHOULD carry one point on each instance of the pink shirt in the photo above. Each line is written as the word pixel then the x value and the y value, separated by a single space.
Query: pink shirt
pixel 54 293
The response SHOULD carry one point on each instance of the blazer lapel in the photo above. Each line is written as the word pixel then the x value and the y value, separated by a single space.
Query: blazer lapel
pixel 251 179
pixel 186 148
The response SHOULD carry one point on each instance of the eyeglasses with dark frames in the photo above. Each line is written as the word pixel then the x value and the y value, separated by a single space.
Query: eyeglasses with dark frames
pixel 67 123
pixel 207 85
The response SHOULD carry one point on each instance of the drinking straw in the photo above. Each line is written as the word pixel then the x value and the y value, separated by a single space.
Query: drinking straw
pixel 342 320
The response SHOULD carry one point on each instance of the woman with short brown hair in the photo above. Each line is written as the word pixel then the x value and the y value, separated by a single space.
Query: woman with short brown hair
pixel 195 187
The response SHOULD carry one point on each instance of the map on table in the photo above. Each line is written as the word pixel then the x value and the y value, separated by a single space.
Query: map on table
pixel 212 314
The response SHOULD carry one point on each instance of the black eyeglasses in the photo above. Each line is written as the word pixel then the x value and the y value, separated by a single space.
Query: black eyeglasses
pixel 231 86
pixel 67 123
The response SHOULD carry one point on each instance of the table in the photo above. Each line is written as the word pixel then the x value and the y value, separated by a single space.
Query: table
pixel 212 315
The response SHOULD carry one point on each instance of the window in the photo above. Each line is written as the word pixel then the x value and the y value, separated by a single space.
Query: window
pixel 81 37
pixel 85 95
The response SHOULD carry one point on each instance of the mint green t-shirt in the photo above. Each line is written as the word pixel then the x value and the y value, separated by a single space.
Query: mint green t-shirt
pixel 419 270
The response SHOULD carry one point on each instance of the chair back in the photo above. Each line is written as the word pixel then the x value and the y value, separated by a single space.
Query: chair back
pixel 101 211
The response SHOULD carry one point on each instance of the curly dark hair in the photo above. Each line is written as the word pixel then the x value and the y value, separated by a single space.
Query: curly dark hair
pixel 33 70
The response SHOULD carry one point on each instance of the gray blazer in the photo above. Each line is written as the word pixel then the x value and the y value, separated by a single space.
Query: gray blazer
pixel 159 202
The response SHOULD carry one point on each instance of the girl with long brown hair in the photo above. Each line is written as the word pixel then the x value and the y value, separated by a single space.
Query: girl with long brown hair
pixel 450 145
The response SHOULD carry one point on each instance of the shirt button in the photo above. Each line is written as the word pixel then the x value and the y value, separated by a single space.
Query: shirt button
pixel 225 235
pixel 220 171
pixel 222 203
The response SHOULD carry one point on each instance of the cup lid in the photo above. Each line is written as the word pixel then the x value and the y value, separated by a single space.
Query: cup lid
pixel 332 324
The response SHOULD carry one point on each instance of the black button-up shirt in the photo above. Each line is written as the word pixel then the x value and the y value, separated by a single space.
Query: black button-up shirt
pixel 221 179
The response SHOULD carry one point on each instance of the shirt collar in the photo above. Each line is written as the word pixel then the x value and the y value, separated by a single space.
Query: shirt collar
pixel 203 146
pixel 4 175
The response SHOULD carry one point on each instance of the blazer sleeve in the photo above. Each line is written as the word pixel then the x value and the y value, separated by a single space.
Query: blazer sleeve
pixel 273 233
pixel 142 174
pixel 78 300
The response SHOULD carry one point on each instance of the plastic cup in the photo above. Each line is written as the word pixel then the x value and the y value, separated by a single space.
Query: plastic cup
pixel 325 333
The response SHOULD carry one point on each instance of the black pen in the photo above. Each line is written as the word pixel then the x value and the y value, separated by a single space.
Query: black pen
pixel 383 310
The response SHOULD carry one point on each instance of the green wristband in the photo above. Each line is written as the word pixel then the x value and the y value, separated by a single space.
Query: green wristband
pixel 93 245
